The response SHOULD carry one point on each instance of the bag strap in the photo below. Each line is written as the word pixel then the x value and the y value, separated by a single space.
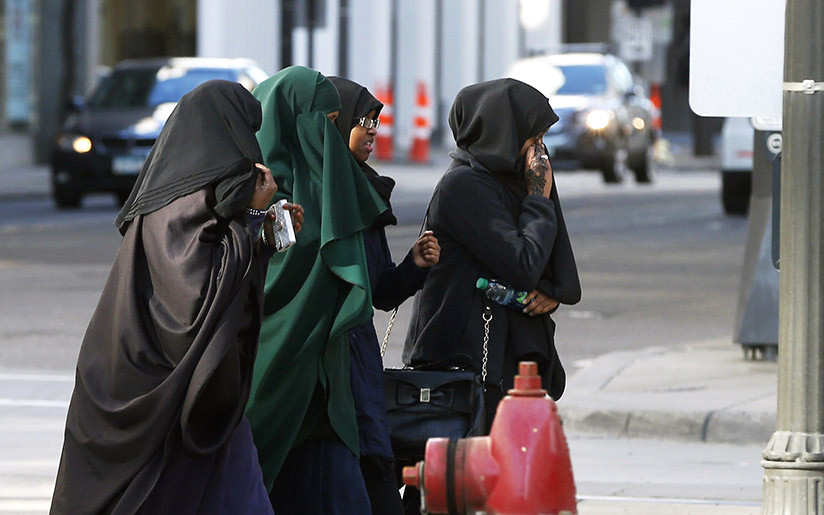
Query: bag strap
pixel 486 315
pixel 391 322
pixel 389 326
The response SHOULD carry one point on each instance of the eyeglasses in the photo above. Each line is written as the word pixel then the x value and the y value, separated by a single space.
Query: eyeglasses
pixel 368 123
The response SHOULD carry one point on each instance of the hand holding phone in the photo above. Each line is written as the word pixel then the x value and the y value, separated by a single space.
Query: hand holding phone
pixel 283 235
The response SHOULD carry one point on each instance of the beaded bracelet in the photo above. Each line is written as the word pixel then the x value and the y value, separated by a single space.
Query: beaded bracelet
pixel 255 212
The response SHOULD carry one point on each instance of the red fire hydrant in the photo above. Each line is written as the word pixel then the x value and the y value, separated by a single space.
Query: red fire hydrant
pixel 521 468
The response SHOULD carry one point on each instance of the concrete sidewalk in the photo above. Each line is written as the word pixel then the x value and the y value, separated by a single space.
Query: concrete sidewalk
pixel 700 392
pixel 20 177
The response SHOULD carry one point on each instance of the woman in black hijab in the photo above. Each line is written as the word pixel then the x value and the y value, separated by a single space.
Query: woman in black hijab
pixel 156 422
pixel 391 285
pixel 497 216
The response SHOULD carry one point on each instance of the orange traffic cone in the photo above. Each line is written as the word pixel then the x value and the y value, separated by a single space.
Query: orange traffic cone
pixel 383 140
pixel 422 126
pixel 655 98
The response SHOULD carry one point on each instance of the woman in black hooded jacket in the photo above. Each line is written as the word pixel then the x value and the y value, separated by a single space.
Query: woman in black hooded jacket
pixel 497 216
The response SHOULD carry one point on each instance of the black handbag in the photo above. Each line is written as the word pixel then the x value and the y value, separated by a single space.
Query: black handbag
pixel 423 404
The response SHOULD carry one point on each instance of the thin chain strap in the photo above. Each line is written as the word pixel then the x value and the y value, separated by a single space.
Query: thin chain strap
pixel 388 331
pixel 487 316
pixel 395 311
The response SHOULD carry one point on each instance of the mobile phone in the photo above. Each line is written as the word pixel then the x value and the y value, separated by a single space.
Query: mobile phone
pixel 282 226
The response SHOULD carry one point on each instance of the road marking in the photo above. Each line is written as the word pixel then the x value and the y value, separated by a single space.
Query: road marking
pixel 37 377
pixel 33 403
pixel 24 505
pixel 713 502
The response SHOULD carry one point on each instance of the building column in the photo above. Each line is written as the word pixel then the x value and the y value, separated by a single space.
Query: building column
pixel 251 29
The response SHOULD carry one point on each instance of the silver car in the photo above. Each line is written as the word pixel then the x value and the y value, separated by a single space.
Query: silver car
pixel 606 118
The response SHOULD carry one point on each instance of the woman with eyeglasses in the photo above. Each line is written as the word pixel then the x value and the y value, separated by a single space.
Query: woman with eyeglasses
pixel 301 407
pixel 391 285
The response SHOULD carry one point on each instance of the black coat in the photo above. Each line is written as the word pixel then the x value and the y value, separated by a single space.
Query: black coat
pixel 489 226
pixel 472 215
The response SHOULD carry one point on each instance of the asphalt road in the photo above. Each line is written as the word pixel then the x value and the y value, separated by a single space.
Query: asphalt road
pixel 659 266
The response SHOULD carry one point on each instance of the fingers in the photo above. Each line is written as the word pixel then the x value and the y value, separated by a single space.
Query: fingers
pixel 296 211
pixel 428 247
pixel 530 155
pixel 539 303
pixel 269 227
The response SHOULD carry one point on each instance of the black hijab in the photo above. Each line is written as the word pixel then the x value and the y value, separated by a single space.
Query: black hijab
pixel 209 138
pixel 165 367
pixel 492 120
pixel 357 102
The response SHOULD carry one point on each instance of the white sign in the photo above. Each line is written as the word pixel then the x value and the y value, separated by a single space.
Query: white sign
pixel 737 57
pixel 635 39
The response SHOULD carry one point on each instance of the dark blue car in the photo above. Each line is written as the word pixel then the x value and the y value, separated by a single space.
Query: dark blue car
pixel 106 140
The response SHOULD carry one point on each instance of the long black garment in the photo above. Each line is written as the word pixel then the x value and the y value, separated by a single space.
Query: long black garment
pixel 488 226
pixel 391 285
pixel 165 367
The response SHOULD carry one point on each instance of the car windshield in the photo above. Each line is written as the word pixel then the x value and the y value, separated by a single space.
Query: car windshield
pixel 151 87
pixel 583 80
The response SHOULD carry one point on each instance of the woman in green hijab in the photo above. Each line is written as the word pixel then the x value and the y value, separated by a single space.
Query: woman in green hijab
pixel 301 408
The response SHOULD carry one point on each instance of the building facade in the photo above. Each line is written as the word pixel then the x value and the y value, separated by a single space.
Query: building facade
pixel 54 50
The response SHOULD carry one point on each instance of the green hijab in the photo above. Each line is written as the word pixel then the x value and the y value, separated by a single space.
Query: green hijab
pixel 318 289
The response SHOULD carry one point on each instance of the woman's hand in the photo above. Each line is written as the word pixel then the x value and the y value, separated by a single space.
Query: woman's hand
pixel 269 228
pixel 539 303
pixel 538 171
pixel 296 211
pixel 426 251
pixel 265 187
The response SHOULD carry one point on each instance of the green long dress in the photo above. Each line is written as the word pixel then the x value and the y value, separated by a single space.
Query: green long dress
pixel 318 289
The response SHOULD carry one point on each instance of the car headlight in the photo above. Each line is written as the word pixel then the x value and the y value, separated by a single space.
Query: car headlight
pixel 74 142
pixel 598 119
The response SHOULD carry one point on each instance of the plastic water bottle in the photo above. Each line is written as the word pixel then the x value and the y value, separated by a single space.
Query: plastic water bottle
pixel 509 297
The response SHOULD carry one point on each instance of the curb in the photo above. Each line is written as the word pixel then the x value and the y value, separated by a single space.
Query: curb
pixel 703 392
pixel 708 426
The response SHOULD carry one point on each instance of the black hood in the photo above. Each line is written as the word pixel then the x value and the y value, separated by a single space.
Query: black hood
pixel 492 120
pixel 208 139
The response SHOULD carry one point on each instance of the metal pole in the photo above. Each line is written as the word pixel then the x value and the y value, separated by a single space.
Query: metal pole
pixel 794 458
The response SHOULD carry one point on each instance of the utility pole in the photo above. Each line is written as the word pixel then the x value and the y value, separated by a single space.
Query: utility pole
pixel 794 458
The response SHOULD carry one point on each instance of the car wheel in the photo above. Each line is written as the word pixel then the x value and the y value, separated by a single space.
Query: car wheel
pixel 642 166
pixel 735 191
pixel 614 168
pixel 66 198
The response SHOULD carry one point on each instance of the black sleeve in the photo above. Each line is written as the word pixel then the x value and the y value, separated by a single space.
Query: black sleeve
pixel 468 205
pixel 395 284
pixel 560 278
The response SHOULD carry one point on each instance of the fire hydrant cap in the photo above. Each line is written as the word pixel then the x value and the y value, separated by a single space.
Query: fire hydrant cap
pixel 528 382
pixel 411 477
